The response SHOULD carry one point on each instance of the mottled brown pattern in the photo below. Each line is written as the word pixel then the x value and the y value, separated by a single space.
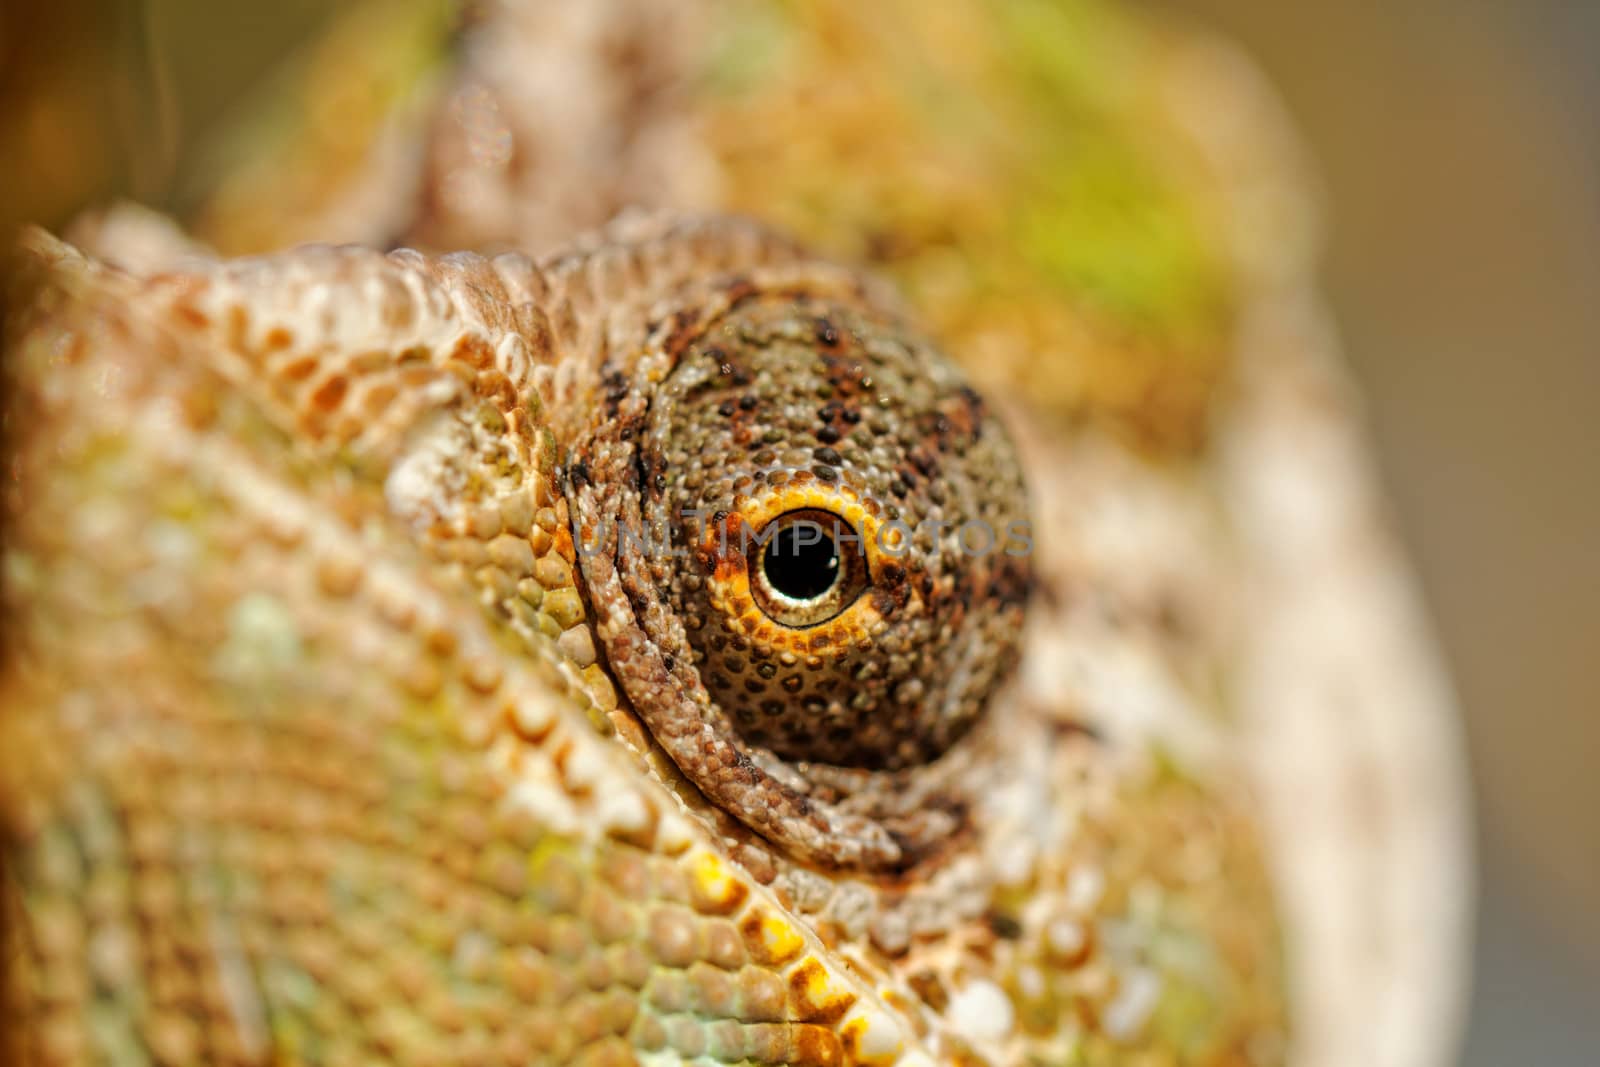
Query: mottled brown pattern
pixel 727 433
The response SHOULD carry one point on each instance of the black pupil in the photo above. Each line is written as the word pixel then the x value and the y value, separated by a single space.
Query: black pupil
pixel 801 561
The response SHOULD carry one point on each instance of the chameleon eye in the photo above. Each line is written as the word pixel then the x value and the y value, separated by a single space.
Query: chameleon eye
pixel 822 632
pixel 806 567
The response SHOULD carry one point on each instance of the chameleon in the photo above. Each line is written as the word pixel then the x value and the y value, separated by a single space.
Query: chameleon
pixel 660 592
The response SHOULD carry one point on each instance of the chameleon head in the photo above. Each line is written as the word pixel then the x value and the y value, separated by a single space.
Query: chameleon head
pixel 826 570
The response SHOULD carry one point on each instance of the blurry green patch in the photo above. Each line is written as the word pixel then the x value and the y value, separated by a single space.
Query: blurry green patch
pixel 1011 165
pixel 1069 50
pixel 1102 230
pixel 749 43
pixel 1101 218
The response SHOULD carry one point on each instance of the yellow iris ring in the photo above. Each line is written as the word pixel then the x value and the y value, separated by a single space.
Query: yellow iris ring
pixel 731 592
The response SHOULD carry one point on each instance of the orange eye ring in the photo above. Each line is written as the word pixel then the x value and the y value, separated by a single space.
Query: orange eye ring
pixel 806 567
pixel 848 614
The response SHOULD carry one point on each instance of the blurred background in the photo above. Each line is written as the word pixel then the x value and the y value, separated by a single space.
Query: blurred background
pixel 1459 141
pixel 1459 144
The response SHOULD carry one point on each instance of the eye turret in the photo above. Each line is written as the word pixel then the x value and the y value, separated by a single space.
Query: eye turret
pixel 840 573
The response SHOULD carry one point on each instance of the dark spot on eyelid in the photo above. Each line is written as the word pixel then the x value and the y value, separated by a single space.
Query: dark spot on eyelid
pixel 1005 927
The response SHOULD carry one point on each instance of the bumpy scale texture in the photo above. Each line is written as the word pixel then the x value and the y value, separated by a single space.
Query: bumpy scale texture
pixel 339 723
pixel 800 404
pixel 325 743
pixel 808 408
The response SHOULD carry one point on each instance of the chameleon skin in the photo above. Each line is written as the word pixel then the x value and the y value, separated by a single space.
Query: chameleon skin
pixel 1105 222
pixel 781 717
pixel 311 754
